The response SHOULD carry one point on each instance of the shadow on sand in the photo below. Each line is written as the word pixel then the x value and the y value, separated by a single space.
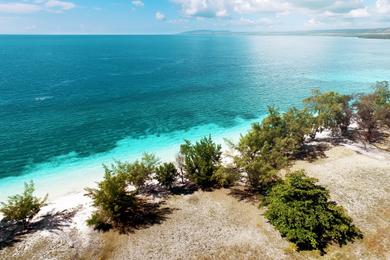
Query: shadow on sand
pixel 11 233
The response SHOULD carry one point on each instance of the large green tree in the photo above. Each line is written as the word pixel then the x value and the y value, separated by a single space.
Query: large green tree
pixel 269 145
pixel 302 212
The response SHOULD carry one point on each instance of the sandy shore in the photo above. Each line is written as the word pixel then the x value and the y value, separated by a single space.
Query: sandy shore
pixel 223 224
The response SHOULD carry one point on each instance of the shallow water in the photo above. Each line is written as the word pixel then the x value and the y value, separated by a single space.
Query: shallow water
pixel 69 103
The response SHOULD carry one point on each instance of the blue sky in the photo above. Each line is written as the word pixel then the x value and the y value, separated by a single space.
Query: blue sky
pixel 171 16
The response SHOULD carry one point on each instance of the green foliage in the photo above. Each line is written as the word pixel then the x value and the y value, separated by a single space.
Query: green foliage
pixel 113 202
pixel 166 174
pixel 22 208
pixel 373 110
pixel 201 161
pixel 138 172
pixel 268 146
pixel 302 213
pixel 332 110
pixel 226 176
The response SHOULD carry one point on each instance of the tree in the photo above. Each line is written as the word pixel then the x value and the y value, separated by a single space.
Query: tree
pixel 22 208
pixel 331 110
pixel 136 173
pixel 226 176
pixel 201 160
pixel 302 213
pixel 373 110
pixel 268 146
pixel 113 202
pixel 166 174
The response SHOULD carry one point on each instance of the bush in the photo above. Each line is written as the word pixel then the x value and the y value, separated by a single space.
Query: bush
pixel 114 204
pixel 136 173
pixel 268 146
pixel 302 213
pixel 22 208
pixel 226 176
pixel 166 174
pixel 332 111
pixel 201 161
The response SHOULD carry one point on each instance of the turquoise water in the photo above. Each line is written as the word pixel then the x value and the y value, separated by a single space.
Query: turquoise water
pixel 69 103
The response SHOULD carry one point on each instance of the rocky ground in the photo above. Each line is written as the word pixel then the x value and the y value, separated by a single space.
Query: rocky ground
pixel 225 223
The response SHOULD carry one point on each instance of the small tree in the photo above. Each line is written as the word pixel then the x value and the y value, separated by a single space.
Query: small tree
pixel 22 208
pixel 373 110
pixel 331 110
pixel 166 174
pixel 114 204
pixel 136 173
pixel 201 161
pixel 302 213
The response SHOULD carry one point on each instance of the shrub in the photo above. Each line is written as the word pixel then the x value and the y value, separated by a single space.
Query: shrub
pixel 166 174
pixel 22 208
pixel 114 204
pixel 201 161
pixel 136 173
pixel 332 111
pixel 226 176
pixel 302 213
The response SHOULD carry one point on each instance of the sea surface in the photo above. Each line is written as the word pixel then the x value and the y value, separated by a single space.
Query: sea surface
pixel 70 103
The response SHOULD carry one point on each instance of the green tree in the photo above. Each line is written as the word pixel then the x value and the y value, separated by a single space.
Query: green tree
pixel 136 173
pixel 201 160
pixel 22 208
pixel 331 110
pixel 302 213
pixel 373 110
pixel 226 176
pixel 113 202
pixel 268 146
pixel 166 174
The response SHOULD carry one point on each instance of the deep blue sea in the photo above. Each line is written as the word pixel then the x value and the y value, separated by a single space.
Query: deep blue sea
pixel 72 102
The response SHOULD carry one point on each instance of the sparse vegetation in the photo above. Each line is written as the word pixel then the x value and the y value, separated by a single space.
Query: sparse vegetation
pixel 22 208
pixel 300 209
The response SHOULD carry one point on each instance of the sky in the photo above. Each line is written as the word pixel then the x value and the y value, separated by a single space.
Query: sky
pixel 173 16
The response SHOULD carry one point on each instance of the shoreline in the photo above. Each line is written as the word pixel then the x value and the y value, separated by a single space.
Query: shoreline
pixel 70 176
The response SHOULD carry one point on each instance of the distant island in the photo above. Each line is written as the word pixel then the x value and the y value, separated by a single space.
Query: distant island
pixel 378 33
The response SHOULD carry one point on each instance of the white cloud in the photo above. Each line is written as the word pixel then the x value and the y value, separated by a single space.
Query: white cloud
pixel 160 16
pixel 312 22
pixel 358 13
pixel 59 6
pixel 211 8
pixel 137 3
pixel 27 7
pixel 383 6
pixel 19 8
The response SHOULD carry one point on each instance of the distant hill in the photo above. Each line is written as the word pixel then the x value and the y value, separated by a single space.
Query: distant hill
pixel 378 33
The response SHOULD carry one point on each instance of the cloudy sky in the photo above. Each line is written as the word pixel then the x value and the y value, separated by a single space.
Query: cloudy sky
pixel 170 16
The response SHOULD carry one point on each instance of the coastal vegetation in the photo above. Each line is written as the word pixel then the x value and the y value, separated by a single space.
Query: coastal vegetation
pixel 22 208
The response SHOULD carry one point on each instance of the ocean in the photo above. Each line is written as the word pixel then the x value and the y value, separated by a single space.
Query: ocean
pixel 70 103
